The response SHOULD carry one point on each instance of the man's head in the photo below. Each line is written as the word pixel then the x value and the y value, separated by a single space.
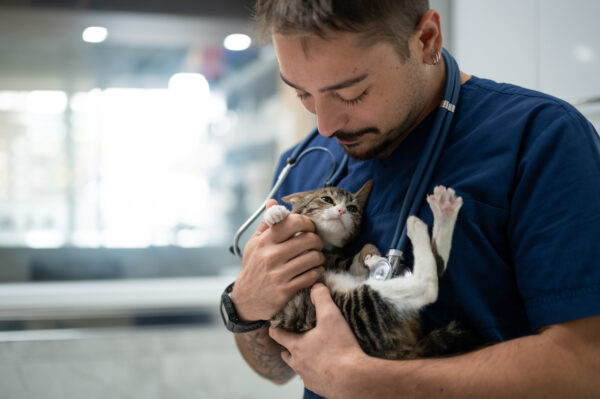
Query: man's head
pixel 363 67
pixel 374 20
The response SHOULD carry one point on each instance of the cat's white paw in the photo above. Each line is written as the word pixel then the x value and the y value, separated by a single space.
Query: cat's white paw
pixel 275 214
pixel 371 260
pixel 444 202
pixel 416 228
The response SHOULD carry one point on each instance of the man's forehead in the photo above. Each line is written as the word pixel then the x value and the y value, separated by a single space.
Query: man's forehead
pixel 313 44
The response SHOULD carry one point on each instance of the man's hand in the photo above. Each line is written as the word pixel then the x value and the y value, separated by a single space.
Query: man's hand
pixel 320 354
pixel 277 263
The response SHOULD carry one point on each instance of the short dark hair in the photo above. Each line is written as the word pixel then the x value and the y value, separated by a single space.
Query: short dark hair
pixel 390 21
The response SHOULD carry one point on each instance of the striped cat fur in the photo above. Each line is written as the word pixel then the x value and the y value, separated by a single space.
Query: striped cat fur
pixel 384 315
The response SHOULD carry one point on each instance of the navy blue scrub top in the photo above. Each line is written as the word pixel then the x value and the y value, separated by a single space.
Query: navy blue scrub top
pixel 525 253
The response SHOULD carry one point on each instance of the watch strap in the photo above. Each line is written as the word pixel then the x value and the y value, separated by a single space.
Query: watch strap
pixel 230 317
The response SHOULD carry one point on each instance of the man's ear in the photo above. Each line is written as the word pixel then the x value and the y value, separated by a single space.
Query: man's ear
pixel 362 195
pixel 429 30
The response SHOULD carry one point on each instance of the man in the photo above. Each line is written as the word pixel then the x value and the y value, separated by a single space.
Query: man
pixel 524 269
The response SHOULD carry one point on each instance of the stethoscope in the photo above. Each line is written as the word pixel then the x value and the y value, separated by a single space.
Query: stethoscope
pixel 392 265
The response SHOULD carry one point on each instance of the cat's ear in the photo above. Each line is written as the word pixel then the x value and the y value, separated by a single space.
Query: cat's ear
pixel 296 199
pixel 362 195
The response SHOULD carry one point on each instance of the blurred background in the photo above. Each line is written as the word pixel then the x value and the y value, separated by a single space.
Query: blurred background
pixel 135 138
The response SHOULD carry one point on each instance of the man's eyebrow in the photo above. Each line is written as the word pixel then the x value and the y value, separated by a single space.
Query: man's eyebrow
pixel 338 86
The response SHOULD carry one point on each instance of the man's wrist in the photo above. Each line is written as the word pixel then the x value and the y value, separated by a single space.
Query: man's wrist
pixel 232 320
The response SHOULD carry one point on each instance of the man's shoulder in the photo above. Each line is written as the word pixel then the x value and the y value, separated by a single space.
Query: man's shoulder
pixel 507 107
pixel 511 97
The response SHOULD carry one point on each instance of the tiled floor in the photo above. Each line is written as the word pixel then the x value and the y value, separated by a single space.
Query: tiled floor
pixel 117 364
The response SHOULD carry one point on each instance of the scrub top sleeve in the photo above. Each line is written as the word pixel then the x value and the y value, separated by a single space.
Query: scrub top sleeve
pixel 554 223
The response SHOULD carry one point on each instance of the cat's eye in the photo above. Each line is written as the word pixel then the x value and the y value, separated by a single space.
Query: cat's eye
pixel 327 199
pixel 352 208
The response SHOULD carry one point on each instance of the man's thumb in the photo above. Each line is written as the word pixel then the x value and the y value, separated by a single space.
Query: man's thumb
pixel 263 225
pixel 321 298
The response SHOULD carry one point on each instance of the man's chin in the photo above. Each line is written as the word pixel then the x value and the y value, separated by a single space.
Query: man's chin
pixel 361 152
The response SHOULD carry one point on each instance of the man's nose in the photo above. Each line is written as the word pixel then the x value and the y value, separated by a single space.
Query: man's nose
pixel 330 119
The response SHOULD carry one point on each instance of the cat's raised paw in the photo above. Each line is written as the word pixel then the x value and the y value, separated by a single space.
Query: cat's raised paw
pixel 444 202
pixel 275 214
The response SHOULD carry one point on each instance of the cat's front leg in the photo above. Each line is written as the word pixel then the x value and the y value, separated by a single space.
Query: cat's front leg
pixel 275 214
pixel 364 260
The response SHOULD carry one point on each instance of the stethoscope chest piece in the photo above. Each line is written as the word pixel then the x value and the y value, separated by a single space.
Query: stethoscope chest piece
pixel 385 268
pixel 381 270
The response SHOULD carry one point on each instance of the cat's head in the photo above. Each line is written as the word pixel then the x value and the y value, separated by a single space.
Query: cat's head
pixel 336 213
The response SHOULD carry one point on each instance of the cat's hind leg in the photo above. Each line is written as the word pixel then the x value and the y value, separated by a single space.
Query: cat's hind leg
pixel 430 256
pixel 445 206
pixel 412 292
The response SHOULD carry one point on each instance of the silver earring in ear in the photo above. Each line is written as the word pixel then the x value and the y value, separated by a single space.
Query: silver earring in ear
pixel 437 57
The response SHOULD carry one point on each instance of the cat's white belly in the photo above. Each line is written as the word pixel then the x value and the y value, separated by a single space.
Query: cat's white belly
pixel 342 282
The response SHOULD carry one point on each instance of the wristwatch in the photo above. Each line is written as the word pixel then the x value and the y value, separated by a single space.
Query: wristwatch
pixel 230 316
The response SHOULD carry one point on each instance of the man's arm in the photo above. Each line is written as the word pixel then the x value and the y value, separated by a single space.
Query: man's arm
pixel 277 263
pixel 563 361
pixel 264 355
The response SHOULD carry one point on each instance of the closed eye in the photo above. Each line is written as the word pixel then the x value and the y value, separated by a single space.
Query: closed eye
pixel 327 199
pixel 350 102
pixel 354 100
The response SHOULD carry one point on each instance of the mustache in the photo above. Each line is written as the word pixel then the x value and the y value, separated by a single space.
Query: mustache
pixel 350 135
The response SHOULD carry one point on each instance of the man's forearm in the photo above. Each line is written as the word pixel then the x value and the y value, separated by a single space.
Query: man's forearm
pixel 264 355
pixel 531 367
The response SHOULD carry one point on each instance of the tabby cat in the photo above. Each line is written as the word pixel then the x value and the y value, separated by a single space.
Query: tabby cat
pixel 384 315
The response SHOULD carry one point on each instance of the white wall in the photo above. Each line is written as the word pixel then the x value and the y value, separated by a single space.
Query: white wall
pixel 547 45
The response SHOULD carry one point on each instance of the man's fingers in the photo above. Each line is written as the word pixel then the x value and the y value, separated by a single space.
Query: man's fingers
pixel 271 203
pixel 306 279
pixel 281 336
pixel 296 246
pixel 286 356
pixel 290 226
pixel 285 339
pixel 263 226
pixel 324 305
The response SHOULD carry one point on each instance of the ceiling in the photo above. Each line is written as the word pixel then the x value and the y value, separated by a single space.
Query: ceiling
pixel 41 45
pixel 204 8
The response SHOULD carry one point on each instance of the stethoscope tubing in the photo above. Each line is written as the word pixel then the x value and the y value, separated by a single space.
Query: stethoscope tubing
pixel 421 177
pixel 292 161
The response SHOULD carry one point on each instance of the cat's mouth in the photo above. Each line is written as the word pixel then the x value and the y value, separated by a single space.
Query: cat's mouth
pixel 337 219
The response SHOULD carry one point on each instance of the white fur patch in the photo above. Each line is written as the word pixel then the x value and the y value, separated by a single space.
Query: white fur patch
pixel 334 225
pixel 408 293
pixel 342 282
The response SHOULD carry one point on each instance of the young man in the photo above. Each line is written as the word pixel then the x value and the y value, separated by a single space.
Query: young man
pixel 524 269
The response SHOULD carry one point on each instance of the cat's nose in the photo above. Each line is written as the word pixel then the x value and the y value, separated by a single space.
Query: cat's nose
pixel 342 211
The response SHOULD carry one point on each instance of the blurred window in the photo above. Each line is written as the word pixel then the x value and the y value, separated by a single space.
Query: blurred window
pixel 126 167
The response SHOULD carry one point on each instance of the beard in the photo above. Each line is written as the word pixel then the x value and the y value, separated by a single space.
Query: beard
pixel 375 143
